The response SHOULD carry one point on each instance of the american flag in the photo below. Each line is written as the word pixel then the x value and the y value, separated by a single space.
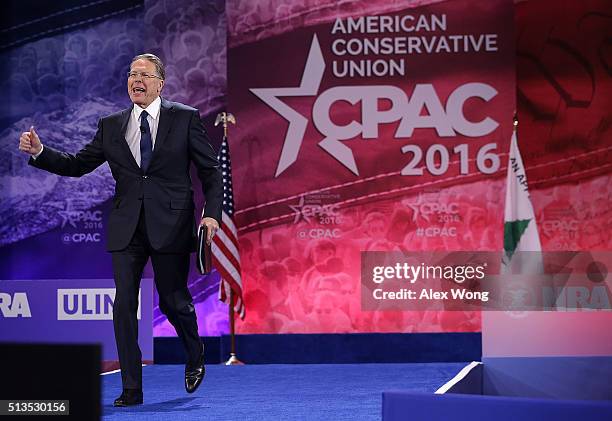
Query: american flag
pixel 226 258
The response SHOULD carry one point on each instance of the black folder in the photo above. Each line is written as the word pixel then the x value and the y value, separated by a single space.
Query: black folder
pixel 203 252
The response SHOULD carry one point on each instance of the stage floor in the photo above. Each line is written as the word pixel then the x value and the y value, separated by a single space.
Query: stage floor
pixel 275 392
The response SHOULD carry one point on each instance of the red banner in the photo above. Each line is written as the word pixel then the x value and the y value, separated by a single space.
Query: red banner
pixel 367 132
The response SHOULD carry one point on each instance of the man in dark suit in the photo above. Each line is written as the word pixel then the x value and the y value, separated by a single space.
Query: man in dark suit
pixel 148 147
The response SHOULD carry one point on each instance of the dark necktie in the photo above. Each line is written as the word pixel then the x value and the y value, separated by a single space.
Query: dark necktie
pixel 146 142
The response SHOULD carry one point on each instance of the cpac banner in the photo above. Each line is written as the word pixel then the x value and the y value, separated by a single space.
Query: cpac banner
pixel 70 311
pixel 375 127
pixel 62 81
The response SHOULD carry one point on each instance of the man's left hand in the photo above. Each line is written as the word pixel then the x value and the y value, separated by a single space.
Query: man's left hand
pixel 212 226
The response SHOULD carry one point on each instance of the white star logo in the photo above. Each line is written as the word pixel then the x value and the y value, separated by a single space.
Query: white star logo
pixel 68 217
pixel 309 86
pixel 416 209
pixel 299 214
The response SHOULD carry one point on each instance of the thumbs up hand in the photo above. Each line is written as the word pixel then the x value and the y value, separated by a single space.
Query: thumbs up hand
pixel 29 142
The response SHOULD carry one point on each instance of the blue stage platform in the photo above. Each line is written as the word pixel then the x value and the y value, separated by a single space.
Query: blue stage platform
pixel 508 389
pixel 275 392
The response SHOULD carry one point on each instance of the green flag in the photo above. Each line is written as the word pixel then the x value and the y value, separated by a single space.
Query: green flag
pixel 520 229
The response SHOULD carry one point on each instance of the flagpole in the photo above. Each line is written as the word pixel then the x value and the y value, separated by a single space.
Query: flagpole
pixel 225 118
pixel 507 256
pixel 515 121
pixel 233 359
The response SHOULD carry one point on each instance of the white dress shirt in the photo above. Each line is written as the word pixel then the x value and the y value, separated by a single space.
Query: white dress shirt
pixel 132 134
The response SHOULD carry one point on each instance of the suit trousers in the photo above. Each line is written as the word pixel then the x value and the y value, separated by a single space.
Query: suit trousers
pixel 175 301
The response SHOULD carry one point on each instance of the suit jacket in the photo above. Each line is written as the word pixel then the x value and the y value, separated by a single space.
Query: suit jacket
pixel 164 190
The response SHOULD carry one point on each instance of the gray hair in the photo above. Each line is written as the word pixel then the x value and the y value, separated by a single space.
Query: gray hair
pixel 159 65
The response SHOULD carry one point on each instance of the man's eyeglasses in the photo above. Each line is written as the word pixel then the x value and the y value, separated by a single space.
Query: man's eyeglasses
pixel 144 75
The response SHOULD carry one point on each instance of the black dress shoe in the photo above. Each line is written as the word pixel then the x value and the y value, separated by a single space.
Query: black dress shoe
pixel 129 397
pixel 194 376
